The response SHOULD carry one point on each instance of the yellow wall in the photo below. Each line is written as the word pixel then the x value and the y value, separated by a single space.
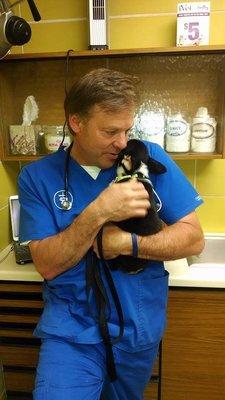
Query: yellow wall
pixel 8 186
pixel 134 23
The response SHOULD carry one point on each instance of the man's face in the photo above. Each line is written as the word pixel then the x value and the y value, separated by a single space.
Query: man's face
pixel 99 138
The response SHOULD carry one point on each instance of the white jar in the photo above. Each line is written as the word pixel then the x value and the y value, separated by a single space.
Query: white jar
pixel 203 136
pixel 53 137
pixel 177 134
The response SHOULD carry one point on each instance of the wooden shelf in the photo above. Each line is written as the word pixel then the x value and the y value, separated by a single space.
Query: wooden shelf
pixel 175 156
pixel 195 156
pixel 119 52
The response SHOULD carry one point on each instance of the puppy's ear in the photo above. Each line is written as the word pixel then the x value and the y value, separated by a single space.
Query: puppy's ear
pixel 156 167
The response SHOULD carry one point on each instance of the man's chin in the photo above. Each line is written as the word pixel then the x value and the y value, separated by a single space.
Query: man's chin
pixel 107 161
pixel 107 164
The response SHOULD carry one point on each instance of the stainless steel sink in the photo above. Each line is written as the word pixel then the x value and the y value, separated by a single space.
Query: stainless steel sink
pixel 213 253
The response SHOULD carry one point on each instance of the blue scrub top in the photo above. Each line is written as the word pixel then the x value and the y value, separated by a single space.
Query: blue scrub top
pixel 143 296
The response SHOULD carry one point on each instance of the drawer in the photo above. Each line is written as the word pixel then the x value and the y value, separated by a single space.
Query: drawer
pixel 19 318
pixel 20 303
pixel 22 356
pixel 14 331
pixel 19 381
pixel 12 287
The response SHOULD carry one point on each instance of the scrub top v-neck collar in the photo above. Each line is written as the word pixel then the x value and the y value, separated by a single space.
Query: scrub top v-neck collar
pixel 92 170
pixel 103 173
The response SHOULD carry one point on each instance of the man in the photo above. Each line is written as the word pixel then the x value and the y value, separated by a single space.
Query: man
pixel 99 112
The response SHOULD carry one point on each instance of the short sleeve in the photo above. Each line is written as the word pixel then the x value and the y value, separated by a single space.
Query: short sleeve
pixel 36 219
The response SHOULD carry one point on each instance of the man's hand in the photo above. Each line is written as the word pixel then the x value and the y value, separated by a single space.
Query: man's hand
pixel 114 242
pixel 122 201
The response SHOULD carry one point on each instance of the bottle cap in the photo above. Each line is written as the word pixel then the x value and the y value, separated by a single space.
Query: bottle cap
pixel 202 112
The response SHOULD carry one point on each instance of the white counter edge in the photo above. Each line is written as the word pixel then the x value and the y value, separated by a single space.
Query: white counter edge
pixel 181 275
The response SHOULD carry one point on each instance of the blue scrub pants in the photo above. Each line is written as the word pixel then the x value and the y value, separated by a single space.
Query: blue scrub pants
pixel 68 371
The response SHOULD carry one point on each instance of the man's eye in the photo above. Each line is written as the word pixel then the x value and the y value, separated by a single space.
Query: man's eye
pixel 111 132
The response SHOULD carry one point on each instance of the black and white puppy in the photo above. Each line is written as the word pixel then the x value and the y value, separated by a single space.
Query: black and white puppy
pixel 134 161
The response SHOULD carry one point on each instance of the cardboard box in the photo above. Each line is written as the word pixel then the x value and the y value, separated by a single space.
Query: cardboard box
pixel 193 23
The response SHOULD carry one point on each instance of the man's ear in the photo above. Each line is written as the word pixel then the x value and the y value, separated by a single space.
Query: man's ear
pixel 75 123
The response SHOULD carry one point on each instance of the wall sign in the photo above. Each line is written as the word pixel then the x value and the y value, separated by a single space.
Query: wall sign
pixel 193 23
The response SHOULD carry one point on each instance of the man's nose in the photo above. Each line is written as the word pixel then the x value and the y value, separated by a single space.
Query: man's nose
pixel 121 141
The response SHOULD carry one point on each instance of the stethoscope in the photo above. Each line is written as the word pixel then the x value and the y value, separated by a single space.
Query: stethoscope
pixel 66 203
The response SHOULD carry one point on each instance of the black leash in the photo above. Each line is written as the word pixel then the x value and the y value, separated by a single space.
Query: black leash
pixel 94 281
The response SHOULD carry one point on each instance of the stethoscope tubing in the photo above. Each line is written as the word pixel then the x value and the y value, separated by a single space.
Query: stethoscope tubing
pixel 66 203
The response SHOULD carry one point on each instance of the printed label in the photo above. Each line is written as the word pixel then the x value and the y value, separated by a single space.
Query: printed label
pixel 177 128
pixel 202 131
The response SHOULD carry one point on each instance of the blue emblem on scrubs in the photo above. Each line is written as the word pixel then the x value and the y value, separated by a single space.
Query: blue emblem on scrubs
pixel 59 198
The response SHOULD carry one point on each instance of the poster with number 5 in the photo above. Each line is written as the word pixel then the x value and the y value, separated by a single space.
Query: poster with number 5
pixel 193 23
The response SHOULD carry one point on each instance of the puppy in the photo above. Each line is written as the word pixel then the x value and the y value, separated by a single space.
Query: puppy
pixel 134 161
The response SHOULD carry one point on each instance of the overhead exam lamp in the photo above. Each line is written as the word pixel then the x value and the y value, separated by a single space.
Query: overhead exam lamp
pixel 14 30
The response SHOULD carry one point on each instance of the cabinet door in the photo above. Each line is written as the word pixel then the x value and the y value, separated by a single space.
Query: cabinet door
pixel 193 365
pixel 20 308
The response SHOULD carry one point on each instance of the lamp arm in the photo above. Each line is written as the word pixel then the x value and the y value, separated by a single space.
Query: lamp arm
pixel 34 10
pixel 32 6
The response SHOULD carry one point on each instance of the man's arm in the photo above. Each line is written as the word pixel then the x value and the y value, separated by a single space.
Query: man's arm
pixel 56 254
pixel 181 239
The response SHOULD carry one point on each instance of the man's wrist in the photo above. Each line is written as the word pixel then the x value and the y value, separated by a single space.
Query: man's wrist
pixel 127 244
pixel 96 209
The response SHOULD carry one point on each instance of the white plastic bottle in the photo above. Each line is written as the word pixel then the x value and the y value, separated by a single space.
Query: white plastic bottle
pixel 203 135
pixel 177 134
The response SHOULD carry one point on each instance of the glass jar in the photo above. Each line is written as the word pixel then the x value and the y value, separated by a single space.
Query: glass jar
pixel 53 135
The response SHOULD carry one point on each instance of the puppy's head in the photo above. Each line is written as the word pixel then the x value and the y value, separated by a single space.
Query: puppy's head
pixel 134 155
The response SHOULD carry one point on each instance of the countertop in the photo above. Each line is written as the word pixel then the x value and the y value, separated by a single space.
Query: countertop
pixel 181 275
pixel 11 271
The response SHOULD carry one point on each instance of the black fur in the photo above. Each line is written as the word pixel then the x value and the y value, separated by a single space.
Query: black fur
pixel 141 226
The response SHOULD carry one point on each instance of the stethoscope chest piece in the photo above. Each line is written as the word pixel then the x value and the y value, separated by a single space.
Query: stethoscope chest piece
pixel 66 205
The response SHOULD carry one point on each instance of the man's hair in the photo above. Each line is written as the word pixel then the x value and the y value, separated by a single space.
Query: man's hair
pixel 111 90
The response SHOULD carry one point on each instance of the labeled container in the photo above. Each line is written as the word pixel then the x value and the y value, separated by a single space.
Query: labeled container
pixel 53 135
pixel 203 132
pixel 177 134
